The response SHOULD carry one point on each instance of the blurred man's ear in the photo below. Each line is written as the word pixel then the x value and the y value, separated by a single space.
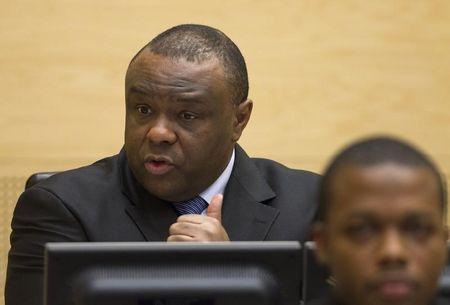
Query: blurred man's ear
pixel 242 116
pixel 320 239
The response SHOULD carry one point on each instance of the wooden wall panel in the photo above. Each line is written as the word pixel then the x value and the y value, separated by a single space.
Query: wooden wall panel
pixel 322 73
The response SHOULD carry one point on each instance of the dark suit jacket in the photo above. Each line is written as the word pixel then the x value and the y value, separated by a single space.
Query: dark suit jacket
pixel 263 200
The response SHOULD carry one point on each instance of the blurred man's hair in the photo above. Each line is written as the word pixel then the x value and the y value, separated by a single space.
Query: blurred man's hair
pixel 376 151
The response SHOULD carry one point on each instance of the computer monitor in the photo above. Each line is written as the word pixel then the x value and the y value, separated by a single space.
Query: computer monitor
pixel 159 273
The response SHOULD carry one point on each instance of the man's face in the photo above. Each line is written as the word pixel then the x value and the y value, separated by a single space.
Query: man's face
pixel 181 124
pixel 383 237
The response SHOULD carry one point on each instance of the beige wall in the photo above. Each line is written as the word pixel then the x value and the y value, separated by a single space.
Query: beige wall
pixel 321 73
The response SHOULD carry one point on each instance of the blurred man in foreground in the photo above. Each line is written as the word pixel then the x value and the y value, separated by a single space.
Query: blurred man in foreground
pixel 381 228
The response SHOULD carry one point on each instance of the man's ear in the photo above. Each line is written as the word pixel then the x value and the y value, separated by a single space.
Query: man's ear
pixel 319 237
pixel 243 112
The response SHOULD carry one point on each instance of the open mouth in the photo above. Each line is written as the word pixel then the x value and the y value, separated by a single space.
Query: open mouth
pixel 158 167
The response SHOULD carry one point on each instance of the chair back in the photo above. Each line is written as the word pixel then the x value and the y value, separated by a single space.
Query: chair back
pixel 37 177
pixel 444 281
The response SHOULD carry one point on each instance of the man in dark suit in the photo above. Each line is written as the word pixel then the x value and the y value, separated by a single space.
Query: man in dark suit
pixel 381 225
pixel 180 176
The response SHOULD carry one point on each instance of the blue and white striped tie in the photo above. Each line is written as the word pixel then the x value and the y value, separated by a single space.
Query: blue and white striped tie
pixel 192 206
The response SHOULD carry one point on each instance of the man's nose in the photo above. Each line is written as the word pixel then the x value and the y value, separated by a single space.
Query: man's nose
pixel 161 131
pixel 393 252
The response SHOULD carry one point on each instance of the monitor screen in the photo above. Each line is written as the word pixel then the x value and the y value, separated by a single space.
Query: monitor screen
pixel 159 273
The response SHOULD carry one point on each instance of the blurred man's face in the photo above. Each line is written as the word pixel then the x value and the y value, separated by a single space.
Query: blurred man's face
pixel 383 237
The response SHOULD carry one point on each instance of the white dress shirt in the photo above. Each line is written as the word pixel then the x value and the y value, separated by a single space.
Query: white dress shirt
pixel 218 186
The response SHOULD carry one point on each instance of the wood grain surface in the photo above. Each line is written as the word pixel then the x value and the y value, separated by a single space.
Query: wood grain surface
pixel 322 73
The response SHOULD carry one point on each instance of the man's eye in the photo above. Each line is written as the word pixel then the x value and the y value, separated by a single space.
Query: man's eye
pixel 188 116
pixel 143 110
pixel 418 230
pixel 360 232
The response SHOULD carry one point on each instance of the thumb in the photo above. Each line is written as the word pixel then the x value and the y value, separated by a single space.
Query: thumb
pixel 215 207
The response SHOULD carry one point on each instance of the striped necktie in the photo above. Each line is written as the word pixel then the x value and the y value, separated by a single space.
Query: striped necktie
pixel 195 205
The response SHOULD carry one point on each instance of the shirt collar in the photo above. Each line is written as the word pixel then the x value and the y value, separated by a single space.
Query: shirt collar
pixel 218 186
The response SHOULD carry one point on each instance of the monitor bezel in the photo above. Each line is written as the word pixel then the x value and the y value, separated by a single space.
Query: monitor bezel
pixel 67 260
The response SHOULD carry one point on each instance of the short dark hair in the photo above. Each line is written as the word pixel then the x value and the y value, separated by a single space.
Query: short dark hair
pixel 197 43
pixel 375 151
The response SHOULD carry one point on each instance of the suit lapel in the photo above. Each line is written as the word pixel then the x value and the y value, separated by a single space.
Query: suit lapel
pixel 151 215
pixel 153 221
pixel 244 214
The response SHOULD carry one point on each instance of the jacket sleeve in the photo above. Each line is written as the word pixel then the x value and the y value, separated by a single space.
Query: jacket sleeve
pixel 39 217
